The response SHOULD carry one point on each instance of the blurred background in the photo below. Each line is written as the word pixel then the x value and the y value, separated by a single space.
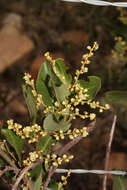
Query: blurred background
pixel 28 29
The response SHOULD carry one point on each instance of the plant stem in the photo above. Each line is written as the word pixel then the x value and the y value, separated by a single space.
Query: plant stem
pixel 3 154
pixel 108 150
pixel 67 147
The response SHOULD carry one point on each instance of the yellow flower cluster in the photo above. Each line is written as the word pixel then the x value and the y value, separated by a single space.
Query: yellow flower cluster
pixel 57 160
pixel 33 156
pixel 52 61
pixel 71 133
pixel 37 96
pixel 77 132
pixel 85 61
pixel 69 107
pixel 32 132
pixel 80 94
pixel 96 104
pixel 64 180
pixel 49 58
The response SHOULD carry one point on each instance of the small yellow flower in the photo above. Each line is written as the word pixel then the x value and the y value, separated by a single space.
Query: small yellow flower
pixel 92 116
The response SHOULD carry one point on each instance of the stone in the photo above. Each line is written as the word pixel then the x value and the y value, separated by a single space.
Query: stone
pixel 14 44
pixel 76 36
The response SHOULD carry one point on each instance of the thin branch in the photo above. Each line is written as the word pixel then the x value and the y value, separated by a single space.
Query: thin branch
pixel 67 147
pixel 7 168
pixel 108 150
pixel 23 172
pixel 3 154
pixel 27 182
pixel 10 153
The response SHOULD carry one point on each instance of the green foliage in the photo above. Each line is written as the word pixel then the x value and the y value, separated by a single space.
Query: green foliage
pixel 62 92
pixel 117 97
pixel 30 101
pixel 44 144
pixel 46 73
pixel 35 173
pixel 93 86
pixel 61 70
pixel 36 185
pixel 51 125
pixel 119 183
pixel 41 86
pixel 15 141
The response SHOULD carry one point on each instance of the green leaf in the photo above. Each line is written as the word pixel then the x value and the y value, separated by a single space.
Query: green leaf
pixel 45 72
pixel 36 185
pixel 46 82
pixel 30 101
pixel 44 144
pixel 51 125
pixel 62 92
pixel 54 186
pixel 38 182
pixel 14 140
pixel 43 90
pixel 93 86
pixel 119 182
pixel 117 97
pixel 34 174
pixel 61 70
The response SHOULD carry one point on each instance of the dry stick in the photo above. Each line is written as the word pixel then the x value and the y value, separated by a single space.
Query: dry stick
pixel 108 150
pixel 64 150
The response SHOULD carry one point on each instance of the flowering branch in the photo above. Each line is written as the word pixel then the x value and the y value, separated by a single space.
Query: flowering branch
pixel 67 147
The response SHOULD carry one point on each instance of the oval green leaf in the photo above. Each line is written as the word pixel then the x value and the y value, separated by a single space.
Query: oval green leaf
pixel 14 140
pixel 30 101
pixel 93 86
pixel 62 92
pixel 51 125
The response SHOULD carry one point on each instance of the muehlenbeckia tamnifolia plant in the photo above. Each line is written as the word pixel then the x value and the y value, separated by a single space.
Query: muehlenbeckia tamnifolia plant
pixel 53 102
